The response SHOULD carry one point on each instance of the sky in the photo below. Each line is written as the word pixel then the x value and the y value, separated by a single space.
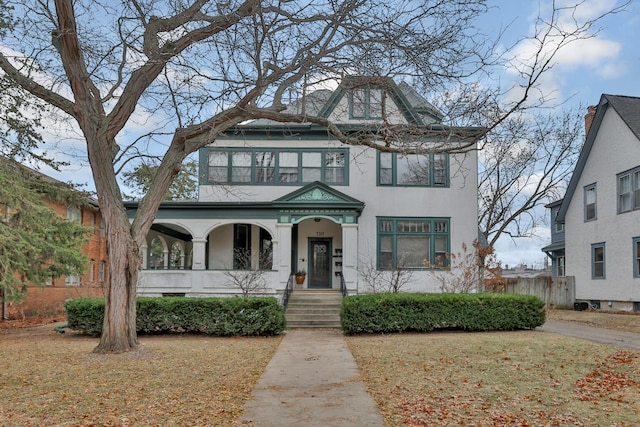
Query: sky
pixel 607 63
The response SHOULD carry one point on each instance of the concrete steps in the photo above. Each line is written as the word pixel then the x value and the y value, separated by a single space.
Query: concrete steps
pixel 309 308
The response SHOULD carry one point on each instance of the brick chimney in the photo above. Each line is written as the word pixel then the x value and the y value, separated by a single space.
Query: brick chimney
pixel 588 119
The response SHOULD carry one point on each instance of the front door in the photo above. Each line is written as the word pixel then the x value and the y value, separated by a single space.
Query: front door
pixel 319 263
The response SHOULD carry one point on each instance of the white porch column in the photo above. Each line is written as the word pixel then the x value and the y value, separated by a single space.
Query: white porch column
pixel 199 253
pixel 165 258
pixel 282 252
pixel 350 255
pixel 144 253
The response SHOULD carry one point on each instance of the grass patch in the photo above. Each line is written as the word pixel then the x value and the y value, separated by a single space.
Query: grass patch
pixel 184 380
pixel 498 379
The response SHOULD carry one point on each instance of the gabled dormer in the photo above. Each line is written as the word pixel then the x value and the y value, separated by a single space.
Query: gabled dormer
pixel 361 99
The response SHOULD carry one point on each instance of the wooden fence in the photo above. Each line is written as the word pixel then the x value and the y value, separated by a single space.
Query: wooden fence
pixel 554 291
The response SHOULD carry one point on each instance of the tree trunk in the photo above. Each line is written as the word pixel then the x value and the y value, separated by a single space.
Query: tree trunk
pixel 119 326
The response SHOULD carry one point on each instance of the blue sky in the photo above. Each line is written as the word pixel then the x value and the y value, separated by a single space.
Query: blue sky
pixel 608 63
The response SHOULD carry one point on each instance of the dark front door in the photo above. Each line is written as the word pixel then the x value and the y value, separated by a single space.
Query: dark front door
pixel 319 263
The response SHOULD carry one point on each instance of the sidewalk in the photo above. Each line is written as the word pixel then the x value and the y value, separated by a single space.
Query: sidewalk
pixel 311 381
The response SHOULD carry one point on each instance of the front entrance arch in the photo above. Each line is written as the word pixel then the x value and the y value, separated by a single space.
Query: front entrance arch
pixel 320 258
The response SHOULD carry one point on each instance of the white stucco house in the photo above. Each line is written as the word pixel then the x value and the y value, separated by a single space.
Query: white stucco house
pixel 600 213
pixel 291 197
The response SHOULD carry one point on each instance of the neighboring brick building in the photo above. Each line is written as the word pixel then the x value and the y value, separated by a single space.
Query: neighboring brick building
pixel 49 300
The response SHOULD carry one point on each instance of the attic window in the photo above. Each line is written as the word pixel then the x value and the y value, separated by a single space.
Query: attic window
pixel 366 103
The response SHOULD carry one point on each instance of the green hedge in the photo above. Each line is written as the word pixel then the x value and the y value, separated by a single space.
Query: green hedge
pixel 212 316
pixel 385 313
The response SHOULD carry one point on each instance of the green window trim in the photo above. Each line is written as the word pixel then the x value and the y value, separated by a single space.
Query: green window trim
pixel 413 170
pixel 365 103
pixel 274 166
pixel 413 243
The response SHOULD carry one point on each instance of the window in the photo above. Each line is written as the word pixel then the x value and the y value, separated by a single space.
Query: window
pixel 92 274
pixel 597 261
pixel 265 166
pixel 102 273
pixel 412 242
pixel 561 266
pixel 102 228
pixel 636 257
pixel 366 103
pixel 629 190
pixel 277 167
pixel 71 280
pixel 428 170
pixel 559 225
pixel 590 211
pixel 74 214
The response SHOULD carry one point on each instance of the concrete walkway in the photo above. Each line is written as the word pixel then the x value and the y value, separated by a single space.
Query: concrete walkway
pixel 311 381
pixel 627 340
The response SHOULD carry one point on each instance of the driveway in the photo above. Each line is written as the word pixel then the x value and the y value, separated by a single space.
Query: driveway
pixel 628 340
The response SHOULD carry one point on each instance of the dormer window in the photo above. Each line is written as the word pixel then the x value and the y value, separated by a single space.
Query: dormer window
pixel 366 103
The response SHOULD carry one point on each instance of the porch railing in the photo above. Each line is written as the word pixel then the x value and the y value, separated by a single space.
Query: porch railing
pixel 343 286
pixel 287 291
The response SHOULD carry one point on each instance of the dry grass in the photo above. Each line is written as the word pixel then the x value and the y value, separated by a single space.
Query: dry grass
pixel 525 378
pixel 50 379
pixel 628 321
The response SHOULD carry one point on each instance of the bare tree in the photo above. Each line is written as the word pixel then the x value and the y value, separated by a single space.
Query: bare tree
pixel 384 280
pixel 467 270
pixel 525 163
pixel 205 66
pixel 248 276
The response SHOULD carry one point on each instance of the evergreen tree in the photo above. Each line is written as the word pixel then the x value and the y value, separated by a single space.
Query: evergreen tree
pixel 36 244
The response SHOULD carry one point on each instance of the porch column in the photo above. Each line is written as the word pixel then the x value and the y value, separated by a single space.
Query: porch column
pixel 144 252
pixel 199 253
pixel 350 255
pixel 282 252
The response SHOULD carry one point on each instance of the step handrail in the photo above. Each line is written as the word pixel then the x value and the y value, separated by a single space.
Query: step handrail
pixel 287 291
pixel 343 286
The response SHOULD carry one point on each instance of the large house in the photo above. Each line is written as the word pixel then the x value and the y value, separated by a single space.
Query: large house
pixel 49 300
pixel 600 213
pixel 282 198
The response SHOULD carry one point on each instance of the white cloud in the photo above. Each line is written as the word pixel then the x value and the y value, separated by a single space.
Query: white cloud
pixel 613 71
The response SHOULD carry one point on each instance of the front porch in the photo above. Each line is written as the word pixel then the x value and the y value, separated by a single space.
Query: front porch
pixel 205 249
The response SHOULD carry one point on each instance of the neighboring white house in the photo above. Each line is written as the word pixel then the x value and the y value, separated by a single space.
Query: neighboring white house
pixel 601 208
pixel 292 197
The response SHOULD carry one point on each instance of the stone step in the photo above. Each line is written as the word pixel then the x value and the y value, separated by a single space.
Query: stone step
pixel 335 311
pixel 314 309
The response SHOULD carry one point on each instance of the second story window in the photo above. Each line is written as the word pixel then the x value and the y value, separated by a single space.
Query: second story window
pixel 590 209
pixel 559 225
pixel 366 103
pixel 629 190
pixel 428 170
pixel 277 166
pixel 74 214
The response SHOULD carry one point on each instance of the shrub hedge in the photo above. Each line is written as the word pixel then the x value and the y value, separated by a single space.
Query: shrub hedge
pixel 213 316
pixel 400 312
